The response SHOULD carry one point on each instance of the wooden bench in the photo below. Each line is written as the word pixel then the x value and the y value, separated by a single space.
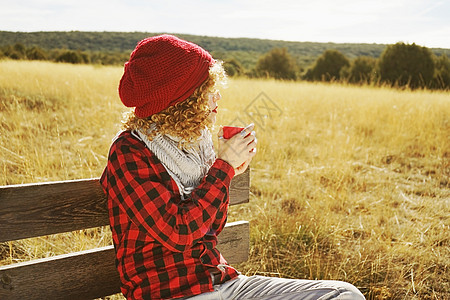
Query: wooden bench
pixel 32 210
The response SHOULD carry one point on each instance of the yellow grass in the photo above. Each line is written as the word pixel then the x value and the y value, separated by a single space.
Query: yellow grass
pixel 350 183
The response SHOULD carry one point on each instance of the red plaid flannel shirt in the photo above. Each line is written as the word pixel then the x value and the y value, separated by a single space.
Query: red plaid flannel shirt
pixel 164 246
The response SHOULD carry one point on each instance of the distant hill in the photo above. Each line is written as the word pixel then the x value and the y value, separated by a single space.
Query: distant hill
pixel 245 50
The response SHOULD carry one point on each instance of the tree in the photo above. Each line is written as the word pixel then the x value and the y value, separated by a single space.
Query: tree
pixel 36 53
pixel 328 66
pixel 73 57
pixel 20 49
pixel 406 65
pixel 11 52
pixel 233 67
pixel 361 70
pixel 278 64
pixel 442 73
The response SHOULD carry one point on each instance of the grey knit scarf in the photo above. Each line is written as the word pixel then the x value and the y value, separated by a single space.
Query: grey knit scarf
pixel 186 166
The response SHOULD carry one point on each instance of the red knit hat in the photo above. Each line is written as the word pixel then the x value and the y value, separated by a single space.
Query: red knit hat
pixel 162 71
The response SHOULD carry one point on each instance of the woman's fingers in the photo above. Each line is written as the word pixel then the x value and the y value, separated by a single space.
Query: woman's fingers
pixel 239 149
pixel 250 141
pixel 248 129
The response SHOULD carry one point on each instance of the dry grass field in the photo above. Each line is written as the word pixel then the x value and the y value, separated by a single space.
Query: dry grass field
pixel 349 183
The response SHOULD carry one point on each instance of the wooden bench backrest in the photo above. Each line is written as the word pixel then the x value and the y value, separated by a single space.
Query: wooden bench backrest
pixel 33 210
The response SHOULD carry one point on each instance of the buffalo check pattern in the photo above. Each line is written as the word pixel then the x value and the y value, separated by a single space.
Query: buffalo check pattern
pixel 165 247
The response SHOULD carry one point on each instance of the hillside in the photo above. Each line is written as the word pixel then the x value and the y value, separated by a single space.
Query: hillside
pixel 125 41
pixel 246 50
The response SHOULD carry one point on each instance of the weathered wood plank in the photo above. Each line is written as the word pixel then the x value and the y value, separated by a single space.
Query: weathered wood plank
pixel 32 210
pixel 234 242
pixel 240 188
pixel 92 273
pixel 83 275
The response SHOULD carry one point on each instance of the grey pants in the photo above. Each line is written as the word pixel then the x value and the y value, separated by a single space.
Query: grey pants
pixel 264 288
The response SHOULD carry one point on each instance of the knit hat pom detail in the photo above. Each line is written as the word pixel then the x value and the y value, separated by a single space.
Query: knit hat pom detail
pixel 162 71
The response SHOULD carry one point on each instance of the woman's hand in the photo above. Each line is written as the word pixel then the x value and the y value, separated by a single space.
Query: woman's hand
pixel 238 150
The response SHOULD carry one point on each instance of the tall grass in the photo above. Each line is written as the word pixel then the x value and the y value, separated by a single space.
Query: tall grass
pixel 349 183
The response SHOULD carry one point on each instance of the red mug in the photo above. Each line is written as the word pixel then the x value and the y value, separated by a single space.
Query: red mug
pixel 230 131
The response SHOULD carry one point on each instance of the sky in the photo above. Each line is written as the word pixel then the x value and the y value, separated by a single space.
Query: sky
pixel 424 22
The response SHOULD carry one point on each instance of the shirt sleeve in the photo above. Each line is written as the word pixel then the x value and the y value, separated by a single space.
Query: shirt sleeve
pixel 156 210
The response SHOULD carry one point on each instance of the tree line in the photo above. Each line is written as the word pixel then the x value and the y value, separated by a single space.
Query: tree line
pixel 245 50
pixel 19 51
pixel 126 41
pixel 401 65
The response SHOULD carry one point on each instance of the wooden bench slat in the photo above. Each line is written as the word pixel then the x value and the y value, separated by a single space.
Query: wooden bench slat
pixel 32 210
pixel 69 276
pixel 91 274
pixel 234 242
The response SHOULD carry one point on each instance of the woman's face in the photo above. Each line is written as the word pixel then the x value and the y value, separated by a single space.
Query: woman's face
pixel 212 102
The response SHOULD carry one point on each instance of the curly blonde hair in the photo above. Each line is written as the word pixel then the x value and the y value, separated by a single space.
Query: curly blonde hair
pixel 185 119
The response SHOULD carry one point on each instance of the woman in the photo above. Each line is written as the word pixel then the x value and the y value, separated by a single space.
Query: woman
pixel 168 191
